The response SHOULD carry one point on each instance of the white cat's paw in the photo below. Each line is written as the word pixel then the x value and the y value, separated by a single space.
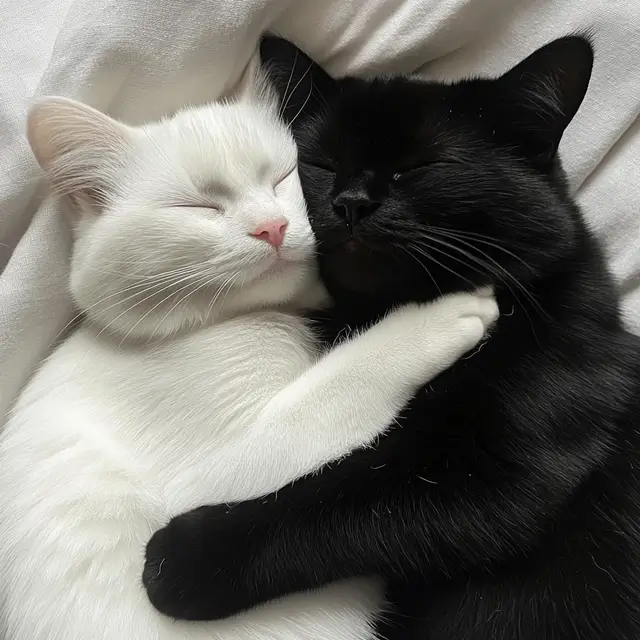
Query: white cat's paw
pixel 464 318
pixel 436 335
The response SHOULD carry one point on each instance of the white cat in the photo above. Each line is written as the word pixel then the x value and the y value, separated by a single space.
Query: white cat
pixel 193 378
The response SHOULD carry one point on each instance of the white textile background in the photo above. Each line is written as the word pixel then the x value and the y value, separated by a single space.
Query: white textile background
pixel 140 59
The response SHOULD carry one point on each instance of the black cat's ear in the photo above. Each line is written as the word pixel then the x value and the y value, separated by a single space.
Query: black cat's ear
pixel 302 85
pixel 539 97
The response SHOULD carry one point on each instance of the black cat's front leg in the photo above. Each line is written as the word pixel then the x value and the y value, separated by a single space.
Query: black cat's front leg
pixel 214 562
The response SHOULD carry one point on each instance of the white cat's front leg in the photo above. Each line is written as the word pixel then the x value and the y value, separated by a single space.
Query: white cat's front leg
pixel 356 390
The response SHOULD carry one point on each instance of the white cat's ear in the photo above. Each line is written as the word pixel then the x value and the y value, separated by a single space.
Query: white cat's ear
pixel 245 90
pixel 254 85
pixel 79 148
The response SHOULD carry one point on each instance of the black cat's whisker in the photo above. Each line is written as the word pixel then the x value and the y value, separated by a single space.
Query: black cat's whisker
pixel 466 264
pixel 321 95
pixel 424 266
pixel 429 247
pixel 430 257
pixel 497 270
pixel 492 272
pixel 502 269
pixel 477 237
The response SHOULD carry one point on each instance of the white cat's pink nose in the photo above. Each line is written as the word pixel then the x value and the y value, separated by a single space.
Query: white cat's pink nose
pixel 271 232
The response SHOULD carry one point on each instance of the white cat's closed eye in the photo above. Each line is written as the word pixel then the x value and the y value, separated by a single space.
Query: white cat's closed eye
pixel 199 205
pixel 288 174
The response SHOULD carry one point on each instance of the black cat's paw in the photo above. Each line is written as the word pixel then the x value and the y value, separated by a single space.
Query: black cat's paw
pixel 185 568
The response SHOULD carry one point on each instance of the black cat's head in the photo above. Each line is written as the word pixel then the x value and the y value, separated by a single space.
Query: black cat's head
pixel 416 188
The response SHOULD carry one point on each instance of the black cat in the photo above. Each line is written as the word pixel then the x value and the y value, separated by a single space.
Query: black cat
pixel 506 506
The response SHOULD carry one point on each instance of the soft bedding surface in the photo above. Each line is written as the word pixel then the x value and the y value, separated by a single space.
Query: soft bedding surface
pixel 140 59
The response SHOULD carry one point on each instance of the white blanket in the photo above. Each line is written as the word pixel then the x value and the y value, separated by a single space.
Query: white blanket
pixel 139 59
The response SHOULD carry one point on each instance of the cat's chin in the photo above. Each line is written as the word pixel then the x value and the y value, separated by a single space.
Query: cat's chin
pixel 353 271
pixel 358 268
pixel 281 282
pixel 279 268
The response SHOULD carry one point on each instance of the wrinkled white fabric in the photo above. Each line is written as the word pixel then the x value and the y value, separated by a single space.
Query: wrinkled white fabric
pixel 139 59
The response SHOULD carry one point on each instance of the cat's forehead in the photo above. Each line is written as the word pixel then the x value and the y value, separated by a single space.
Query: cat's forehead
pixel 386 118
pixel 397 103
pixel 223 148
pixel 392 120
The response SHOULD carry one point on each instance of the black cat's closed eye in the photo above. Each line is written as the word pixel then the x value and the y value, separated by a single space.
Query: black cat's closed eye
pixel 422 167
pixel 319 164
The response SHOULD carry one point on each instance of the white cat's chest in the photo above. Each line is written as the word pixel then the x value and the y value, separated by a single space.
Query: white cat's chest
pixel 181 413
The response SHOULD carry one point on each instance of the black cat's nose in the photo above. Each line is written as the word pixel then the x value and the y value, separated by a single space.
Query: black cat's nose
pixel 354 206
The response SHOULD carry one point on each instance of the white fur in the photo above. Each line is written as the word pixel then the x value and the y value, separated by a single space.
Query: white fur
pixel 186 386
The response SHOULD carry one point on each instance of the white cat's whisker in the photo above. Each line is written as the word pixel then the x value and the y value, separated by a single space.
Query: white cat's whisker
pixel 156 305
pixel 109 324
pixel 144 286
pixel 146 264
pixel 302 77
pixel 304 104
pixel 199 285
pixel 133 306
pixel 141 282
pixel 227 283
pixel 229 287
pixel 285 100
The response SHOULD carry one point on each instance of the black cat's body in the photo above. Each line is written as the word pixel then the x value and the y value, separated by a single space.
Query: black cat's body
pixel 505 505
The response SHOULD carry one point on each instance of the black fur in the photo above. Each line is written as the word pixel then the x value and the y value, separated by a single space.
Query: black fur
pixel 506 505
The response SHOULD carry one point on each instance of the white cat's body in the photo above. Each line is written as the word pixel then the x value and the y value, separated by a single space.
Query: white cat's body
pixel 185 387
pixel 108 444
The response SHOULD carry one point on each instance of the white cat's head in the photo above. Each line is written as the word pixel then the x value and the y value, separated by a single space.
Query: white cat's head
pixel 178 221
